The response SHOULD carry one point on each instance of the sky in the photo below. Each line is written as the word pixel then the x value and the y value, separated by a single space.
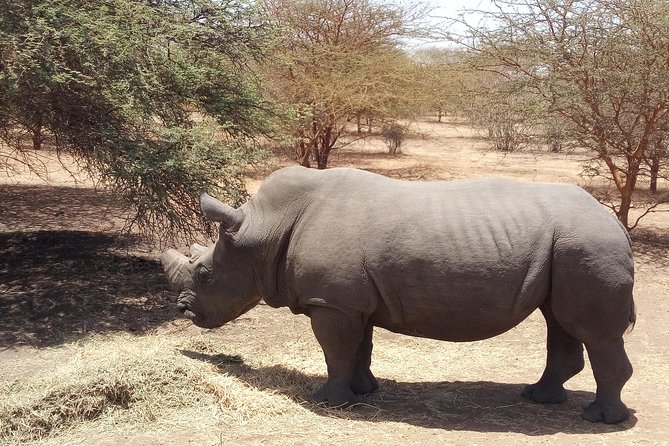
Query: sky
pixel 444 9
pixel 451 8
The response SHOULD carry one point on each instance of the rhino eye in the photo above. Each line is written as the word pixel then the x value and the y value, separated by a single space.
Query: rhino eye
pixel 203 275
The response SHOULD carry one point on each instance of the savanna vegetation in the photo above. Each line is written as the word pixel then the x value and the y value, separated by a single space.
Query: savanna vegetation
pixel 147 103
pixel 597 68
pixel 160 100
pixel 339 62
pixel 156 100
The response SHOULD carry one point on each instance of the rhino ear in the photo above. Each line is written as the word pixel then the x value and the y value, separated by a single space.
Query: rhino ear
pixel 230 218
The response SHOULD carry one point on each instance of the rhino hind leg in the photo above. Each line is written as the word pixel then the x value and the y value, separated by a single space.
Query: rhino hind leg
pixel 363 380
pixel 564 360
pixel 340 337
pixel 612 369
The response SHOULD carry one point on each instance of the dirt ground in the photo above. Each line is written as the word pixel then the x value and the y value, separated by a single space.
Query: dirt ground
pixel 83 309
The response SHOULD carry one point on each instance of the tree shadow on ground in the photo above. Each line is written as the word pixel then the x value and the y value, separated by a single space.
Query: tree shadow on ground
pixel 480 406
pixel 66 272
pixel 54 208
pixel 420 172
pixel 56 286
pixel 653 244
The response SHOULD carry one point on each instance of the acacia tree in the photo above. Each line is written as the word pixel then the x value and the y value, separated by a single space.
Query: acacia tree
pixel 444 80
pixel 599 64
pixel 658 156
pixel 153 98
pixel 336 62
pixel 508 114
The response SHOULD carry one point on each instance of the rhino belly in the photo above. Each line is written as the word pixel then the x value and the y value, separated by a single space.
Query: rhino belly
pixel 462 326
pixel 461 307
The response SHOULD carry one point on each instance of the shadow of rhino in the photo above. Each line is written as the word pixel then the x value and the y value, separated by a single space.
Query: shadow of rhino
pixel 480 406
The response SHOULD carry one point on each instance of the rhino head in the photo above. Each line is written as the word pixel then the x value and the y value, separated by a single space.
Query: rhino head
pixel 215 283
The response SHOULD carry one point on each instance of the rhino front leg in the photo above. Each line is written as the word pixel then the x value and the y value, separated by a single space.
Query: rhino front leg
pixel 363 380
pixel 340 337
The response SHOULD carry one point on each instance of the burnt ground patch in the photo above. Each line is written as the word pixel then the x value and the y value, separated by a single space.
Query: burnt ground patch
pixel 57 286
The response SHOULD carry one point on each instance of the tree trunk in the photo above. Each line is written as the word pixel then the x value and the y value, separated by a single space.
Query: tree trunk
pixel 627 191
pixel 304 153
pixel 439 115
pixel 624 209
pixel 358 121
pixel 321 156
pixel 37 136
pixel 654 171
pixel 322 161
pixel 322 153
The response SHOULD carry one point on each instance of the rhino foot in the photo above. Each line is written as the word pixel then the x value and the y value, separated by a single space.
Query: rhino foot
pixel 364 383
pixel 608 413
pixel 541 393
pixel 335 397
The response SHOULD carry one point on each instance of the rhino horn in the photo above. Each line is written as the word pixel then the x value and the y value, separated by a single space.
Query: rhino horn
pixel 175 266
pixel 214 210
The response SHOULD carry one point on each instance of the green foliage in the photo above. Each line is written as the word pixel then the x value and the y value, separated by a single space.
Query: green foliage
pixel 154 98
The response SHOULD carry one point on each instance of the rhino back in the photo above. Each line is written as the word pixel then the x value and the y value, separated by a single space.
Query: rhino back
pixel 457 260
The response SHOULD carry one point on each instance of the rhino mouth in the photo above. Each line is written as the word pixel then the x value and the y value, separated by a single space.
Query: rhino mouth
pixel 187 307
pixel 184 306
pixel 189 314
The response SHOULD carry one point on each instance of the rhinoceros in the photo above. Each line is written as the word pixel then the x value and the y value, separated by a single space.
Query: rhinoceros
pixel 451 260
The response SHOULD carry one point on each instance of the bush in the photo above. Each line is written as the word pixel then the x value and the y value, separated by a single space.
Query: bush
pixel 394 135
pixel 505 136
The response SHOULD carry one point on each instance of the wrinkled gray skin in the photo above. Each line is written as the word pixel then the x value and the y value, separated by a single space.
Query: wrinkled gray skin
pixel 457 261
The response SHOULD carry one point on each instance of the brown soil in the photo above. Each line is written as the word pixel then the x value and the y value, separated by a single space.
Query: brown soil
pixel 67 280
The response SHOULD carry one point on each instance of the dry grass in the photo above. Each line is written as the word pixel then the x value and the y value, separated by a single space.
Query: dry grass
pixel 238 384
pixel 126 381
pixel 73 373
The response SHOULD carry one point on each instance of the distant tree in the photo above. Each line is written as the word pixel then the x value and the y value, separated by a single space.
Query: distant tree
pixel 507 113
pixel 338 62
pixel 490 102
pixel 394 134
pixel 555 132
pixel 600 65
pixel 155 99
pixel 443 79
pixel 657 159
